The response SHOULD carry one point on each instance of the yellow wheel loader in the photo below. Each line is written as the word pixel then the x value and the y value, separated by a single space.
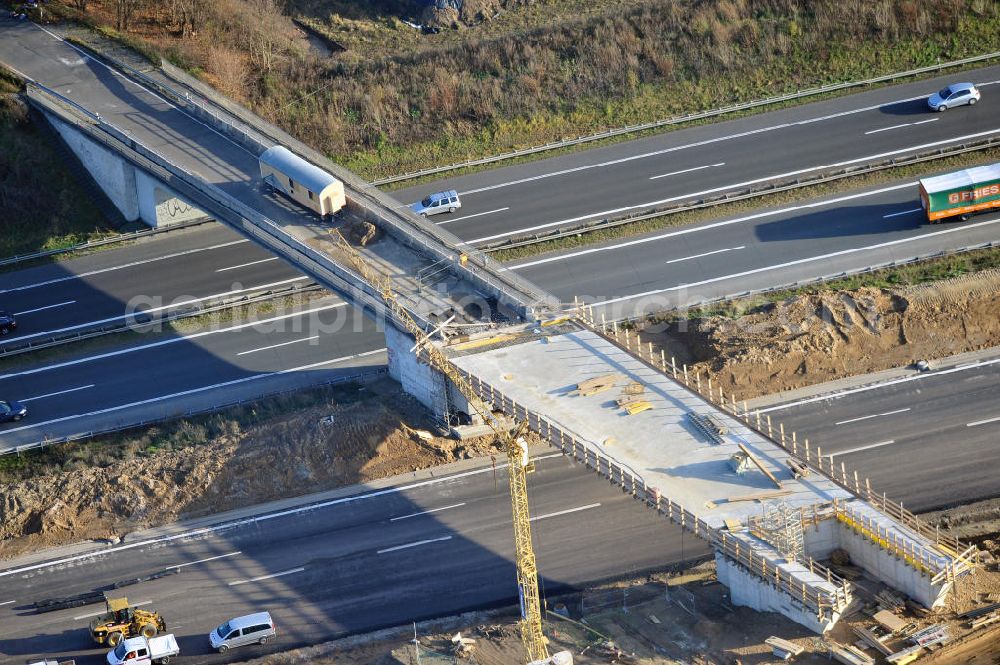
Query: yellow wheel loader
pixel 121 621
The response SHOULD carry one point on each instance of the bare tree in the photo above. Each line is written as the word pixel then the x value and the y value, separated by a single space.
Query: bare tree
pixel 189 14
pixel 80 4
pixel 124 11
pixel 264 38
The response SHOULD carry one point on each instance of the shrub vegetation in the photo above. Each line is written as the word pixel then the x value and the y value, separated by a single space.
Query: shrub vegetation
pixel 515 74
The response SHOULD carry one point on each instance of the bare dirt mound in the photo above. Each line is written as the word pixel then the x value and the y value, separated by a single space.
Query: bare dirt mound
pixel 814 338
pixel 340 442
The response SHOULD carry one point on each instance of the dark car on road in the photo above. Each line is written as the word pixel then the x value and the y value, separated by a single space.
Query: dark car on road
pixel 7 322
pixel 12 411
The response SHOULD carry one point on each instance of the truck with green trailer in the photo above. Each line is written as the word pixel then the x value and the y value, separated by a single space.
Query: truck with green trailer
pixel 961 193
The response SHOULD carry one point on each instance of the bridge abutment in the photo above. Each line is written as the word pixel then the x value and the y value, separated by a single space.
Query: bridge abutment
pixel 135 193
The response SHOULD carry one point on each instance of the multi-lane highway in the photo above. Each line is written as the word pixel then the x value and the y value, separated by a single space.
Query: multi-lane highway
pixel 357 565
pixel 719 157
pixel 636 275
pixel 930 440
pixel 167 274
pixel 383 558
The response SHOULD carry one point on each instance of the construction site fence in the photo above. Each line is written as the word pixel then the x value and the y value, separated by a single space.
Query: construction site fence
pixel 629 481
pixel 676 120
pixel 358 377
pixel 757 190
pixel 961 556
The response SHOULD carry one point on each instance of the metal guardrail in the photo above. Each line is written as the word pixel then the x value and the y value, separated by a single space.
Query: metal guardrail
pixel 360 377
pixel 137 321
pixel 826 278
pixel 676 120
pixel 818 599
pixel 756 191
pixel 108 240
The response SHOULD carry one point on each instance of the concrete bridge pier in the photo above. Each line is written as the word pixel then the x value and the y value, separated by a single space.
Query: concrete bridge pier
pixel 135 193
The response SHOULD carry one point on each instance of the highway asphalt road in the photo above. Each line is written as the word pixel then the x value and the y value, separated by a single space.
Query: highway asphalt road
pixel 160 375
pixel 930 440
pixel 702 262
pixel 763 249
pixel 162 274
pixel 699 161
pixel 379 560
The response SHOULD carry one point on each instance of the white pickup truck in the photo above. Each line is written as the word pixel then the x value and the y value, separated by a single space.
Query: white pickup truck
pixel 144 651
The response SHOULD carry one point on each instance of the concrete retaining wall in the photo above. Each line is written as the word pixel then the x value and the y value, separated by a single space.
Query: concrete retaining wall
pixel 892 570
pixel 821 538
pixel 750 590
pixel 160 206
pixel 828 534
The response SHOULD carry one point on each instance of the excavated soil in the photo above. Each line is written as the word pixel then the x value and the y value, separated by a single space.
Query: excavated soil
pixel 820 337
pixel 341 442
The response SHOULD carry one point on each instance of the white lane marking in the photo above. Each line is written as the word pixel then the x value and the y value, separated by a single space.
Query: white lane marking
pixel 885 129
pixel 860 448
pixel 211 558
pixel 244 265
pixel 698 256
pixel 905 124
pixel 905 212
pixel 99 613
pixel 124 78
pixel 274 346
pixel 696 168
pixel 193 391
pixel 61 392
pixel 983 422
pixel 564 512
pixel 843 252
pixel 416 544
pixel 696 144
pixel 172 340
pixel 478 214
pixel 7 602
pixel 152 310
pixel 690 195
pixel 133 264
pixel 290 571
pixel 425 512
pixel 884 384
pixel 400 489
pixel 874 415
pixel 713 225
pixel 39 309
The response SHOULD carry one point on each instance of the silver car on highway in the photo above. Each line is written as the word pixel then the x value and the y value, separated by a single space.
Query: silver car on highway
pixel 956 94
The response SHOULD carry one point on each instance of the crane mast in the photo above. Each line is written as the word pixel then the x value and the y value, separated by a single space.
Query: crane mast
pixel 513 444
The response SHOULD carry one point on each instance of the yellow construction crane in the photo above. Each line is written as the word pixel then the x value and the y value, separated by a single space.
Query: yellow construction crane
pixel 513 443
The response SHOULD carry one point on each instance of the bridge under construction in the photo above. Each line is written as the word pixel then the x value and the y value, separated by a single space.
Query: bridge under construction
pixel 772 507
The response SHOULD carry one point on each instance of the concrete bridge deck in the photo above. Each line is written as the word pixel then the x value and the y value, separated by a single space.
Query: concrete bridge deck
pixel 661 457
